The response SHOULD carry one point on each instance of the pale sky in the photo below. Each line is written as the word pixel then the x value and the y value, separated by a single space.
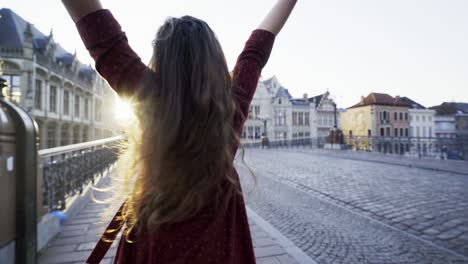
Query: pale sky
pixel 413 48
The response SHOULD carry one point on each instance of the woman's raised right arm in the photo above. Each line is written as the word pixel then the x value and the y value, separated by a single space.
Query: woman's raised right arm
pixel 278 16
pixel 80 8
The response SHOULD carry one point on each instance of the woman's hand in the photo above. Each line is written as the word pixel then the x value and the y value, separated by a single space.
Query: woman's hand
pixel 80 8
pixel 278 16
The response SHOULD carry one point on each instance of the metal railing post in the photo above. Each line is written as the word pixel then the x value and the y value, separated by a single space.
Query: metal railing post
pixel 26 183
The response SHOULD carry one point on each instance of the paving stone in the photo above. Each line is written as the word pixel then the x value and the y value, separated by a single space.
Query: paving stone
pixel 61 249
pixel 431 231
pixel 286 259
pixel 267 260
pixel 80 227
pixel 86 246
pixel 449 234
pixel 259 234
pixel 262 242
pixel 269 251
pixel 78 256
pixel 299 189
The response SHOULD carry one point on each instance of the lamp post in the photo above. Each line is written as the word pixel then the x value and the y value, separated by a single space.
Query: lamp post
pixel 265 140
pixel 3 82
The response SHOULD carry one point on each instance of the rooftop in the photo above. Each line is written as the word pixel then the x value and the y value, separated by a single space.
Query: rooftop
pixel 12 35
pixel 380 99
pixel 451 108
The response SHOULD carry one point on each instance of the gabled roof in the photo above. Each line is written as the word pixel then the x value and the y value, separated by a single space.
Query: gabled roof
pixel 270 80
pixel 380 99
pixel 12 28
pixel 316 99
pixel 451 108
pixel 412 104
pixel 283 92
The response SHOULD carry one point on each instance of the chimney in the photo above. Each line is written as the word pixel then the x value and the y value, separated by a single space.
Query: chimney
pixel 362 99
pixel 306 96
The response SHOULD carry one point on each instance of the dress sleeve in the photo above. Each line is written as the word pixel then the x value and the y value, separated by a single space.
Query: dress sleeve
pixel 247 72
pixel 108 46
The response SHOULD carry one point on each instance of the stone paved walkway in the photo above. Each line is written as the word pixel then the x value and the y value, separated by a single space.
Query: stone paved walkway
pixel 80 233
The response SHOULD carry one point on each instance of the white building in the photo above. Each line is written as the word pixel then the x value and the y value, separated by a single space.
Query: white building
pixel 286 118
pixel 70 102
pixel 422 129
pixel 422 120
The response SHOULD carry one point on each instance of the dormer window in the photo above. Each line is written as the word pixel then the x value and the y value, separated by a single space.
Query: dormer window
pixel 279 101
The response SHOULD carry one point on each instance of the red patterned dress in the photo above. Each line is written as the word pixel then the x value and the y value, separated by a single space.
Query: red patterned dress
pixel 210 237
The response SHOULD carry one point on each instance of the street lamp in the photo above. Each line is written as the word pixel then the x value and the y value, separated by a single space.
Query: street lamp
pixel 3 82
pixel 264 118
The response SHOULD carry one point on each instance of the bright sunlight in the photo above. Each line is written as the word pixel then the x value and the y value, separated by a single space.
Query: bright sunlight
pixel 123 111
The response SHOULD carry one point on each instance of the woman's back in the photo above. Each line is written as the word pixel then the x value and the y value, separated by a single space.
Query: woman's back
pixel 186 205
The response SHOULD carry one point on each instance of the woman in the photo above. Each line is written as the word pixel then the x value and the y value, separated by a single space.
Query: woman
pixel 185 204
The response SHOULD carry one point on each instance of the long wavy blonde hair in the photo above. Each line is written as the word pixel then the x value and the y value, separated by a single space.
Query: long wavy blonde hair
pixel 180 149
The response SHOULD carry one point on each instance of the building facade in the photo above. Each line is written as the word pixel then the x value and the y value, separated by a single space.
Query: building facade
pixel 377 122
pixel 276 114
pixel 70 102
pixel 451 128
pixel 422 129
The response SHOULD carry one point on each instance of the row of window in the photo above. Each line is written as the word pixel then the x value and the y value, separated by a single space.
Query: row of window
pixel 401 132
pixel 301 135
pixel 300 119
pixel 252 132
pixel 254 111
pixel 421 131
pixel 280 118
pixel 65 137
pixel 67 101
pixel 281 135
pixel 397 132
pixel 326 120
pixel 422 118
pixel 385 116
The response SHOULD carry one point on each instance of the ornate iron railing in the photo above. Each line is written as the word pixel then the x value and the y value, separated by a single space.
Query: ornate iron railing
pixel 318 142
pixel 431 147
pixel 69 169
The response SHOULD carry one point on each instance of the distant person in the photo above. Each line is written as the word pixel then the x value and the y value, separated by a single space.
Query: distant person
pixel 186 204
pixel 444 154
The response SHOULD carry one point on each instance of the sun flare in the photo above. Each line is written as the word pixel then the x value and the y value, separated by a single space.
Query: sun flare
pixel 123 110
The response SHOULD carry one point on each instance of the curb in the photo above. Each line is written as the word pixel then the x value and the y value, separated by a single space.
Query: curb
pixel 295 252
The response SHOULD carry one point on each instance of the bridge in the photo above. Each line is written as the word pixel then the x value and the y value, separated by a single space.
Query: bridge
pixel 305 204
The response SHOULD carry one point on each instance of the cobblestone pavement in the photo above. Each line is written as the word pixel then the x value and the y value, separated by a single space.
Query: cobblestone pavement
pixel 349 211
pixel 81 232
